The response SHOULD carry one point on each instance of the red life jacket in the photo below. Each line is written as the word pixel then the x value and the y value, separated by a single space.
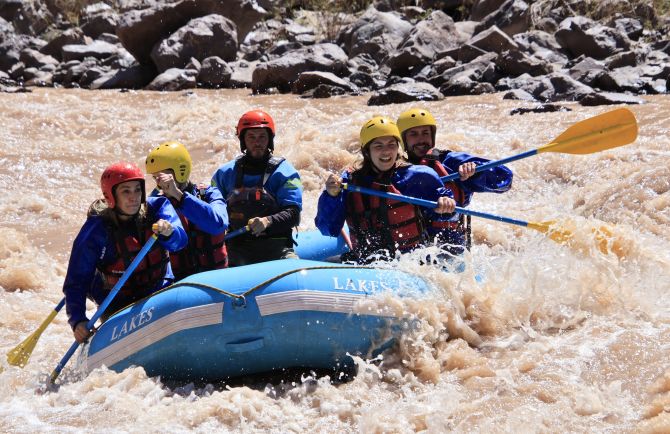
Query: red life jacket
pixel 432 160
pixel 245 203
pixel 203 252
pixel 379 224
pixel 148 275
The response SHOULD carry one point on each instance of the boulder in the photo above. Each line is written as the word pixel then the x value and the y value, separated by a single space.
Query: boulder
pixel 203 37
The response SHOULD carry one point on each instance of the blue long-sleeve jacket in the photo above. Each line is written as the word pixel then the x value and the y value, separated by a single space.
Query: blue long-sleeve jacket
pixel 493 180
pixel 210 214
pixel 283 184
pixel 93 247
pixel 415 181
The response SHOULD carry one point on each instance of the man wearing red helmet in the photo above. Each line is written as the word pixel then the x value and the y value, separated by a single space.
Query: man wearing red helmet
pixel 114 232
pixel 263 192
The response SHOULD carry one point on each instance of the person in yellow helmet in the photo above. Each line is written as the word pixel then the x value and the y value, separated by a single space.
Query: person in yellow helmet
pixel 418 129
pixel 201 209
pixel 381 228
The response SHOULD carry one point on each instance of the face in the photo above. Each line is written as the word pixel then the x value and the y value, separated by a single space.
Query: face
pixel 257 141
pixel 419 140
pixel 128 197
pixel 384 152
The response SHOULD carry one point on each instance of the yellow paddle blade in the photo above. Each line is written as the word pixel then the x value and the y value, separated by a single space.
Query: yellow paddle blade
pixel 21 353
pixel 551 228
pixel 605 131
pixel 603 236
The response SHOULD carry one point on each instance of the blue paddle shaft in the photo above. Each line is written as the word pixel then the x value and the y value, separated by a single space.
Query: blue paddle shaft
pixel 140 256
pixel 432 205
pixel 492 164
pixel 236 232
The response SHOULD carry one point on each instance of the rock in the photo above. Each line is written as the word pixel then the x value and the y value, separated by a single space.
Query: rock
pixel 405 92
pixel 609 98
pixel 211 35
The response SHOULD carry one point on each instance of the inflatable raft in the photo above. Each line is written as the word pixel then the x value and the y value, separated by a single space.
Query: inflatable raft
pixel 258 318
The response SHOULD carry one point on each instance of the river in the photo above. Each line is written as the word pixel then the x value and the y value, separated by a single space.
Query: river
pixel 568 338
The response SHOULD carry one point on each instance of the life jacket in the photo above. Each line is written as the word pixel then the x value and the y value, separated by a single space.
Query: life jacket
pixel 433 160
pixel 148 275
pixel 380 224
pixel 245 203
pixel 203 252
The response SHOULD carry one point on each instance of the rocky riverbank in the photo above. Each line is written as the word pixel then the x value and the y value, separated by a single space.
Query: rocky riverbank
pixel 605 52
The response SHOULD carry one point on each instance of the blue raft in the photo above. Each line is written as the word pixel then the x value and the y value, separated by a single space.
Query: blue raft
pixel 258 318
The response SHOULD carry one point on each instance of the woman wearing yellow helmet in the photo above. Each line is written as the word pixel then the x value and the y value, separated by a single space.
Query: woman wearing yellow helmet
pixel 201 209
pixel 381 228
pixel 418 129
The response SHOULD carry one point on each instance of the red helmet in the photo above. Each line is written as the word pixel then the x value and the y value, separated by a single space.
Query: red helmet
pixel 255 119
pixel 115 175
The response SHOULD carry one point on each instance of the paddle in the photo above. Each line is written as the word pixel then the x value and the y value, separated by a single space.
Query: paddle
pixel 140 256
pixel 605 131
pixel 21 353
pixel 236 232
pixel 551 228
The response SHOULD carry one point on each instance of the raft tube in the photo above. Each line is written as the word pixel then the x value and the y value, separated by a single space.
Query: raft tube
pixel 259 318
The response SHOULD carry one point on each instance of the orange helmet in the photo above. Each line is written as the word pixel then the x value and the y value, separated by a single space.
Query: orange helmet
pixel 255 119
pixel 115 175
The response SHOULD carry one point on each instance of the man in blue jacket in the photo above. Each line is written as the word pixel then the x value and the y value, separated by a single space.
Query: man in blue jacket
pixel 201 209
pixel 263 192
pixel 418 129
pixel 114 232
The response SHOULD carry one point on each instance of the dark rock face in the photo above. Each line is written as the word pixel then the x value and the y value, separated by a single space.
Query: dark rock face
pixel 211 35
pixel 554 50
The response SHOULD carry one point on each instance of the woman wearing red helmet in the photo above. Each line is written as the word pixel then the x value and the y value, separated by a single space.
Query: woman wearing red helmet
pixel 263 192
pixel 114 232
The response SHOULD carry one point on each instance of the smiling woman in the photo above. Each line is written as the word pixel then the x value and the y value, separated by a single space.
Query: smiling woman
pixel 381 228
pixel 114 233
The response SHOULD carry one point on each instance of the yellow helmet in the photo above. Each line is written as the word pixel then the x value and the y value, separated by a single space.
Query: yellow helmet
pixel 416 118
pixel 379 126
pixel 170 155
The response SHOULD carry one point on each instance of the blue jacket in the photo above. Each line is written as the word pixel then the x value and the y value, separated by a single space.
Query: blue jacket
pixel 494 180
pixel 284 183
pixel 208 215
pixel 93 247
pixel 416 181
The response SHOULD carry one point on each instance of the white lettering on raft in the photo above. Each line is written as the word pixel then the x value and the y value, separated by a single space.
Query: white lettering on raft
pixel 361 285
pixel 134 322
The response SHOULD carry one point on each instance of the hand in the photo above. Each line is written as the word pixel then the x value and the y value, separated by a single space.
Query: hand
pixel 466 170
pixel 333 185
pixel 258 225
pixel 162 227
pixel 445 205
pixel 81 332
pixel 166 182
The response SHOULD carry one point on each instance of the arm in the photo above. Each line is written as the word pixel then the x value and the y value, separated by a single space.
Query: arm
pixel 89 247
pixel 494 180
pixel 331 209
pixel 224 179
pixel 210 214
pixel 330 214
